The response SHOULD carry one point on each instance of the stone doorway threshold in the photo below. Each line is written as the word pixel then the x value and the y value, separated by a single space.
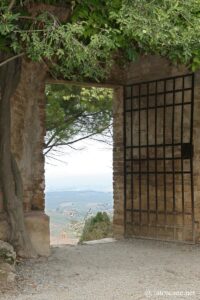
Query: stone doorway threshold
pixel 102 241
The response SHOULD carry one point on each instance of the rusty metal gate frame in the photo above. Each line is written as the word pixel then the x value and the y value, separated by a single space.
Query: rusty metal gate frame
pixel 186 153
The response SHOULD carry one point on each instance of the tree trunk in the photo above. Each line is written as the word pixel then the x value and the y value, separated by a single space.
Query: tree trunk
pixel 10 178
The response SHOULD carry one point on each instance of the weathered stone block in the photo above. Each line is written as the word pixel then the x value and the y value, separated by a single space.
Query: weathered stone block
pixel 37 224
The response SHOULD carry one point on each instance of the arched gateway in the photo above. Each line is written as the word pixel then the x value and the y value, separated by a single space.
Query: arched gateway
pixel 156 156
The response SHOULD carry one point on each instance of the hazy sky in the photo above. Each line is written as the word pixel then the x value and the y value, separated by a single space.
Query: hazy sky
pixel 90 168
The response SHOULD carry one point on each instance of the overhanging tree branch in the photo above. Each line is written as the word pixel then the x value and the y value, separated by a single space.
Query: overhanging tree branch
pixel 57 144
pixel 11 59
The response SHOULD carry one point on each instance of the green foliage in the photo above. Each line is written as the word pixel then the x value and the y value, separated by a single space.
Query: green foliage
pixel 97 227
pixel 74 113
pixel 74 59
pixel 165 27
pixel 6 256
pixel 68 53
pixel 170 28
pixel 83 48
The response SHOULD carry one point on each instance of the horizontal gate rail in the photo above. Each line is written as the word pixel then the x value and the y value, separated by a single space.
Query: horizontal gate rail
pixel 160 93
pixel 158 106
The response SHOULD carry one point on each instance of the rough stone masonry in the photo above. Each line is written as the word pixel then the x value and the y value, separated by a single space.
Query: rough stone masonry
pixel 28 131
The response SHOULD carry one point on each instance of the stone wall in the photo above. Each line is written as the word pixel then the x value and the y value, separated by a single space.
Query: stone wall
pixel 28 130
pixel 118 162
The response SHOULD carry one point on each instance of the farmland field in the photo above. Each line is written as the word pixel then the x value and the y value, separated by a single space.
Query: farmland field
pixel 69 209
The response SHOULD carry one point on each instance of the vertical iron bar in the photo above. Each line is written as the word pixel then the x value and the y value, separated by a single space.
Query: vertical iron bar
pixel 147 141
pixel 156 155
pixel 140 191
pixel 132 195
pixel 173 162
pixel 182 162
pixel 164 153
pixel 125 188
pixel 191 158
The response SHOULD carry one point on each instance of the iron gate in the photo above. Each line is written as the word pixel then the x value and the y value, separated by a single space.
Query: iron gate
pixel 158 159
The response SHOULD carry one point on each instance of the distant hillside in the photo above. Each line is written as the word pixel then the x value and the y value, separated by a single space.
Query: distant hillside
pixel 54 200
pixel 68 210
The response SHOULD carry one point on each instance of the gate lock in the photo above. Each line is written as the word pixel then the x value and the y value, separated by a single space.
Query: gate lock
pixel 187 151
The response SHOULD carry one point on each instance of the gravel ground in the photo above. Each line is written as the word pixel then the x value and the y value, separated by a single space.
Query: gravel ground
pixel 130 269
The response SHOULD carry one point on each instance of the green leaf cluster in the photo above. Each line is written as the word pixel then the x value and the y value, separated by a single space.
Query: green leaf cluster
pixel 84 47
pixel 97 227
pixel 165 27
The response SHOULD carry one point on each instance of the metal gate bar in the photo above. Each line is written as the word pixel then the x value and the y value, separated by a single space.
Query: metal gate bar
pixel 191 158
pixel 146 97
pixel 182 169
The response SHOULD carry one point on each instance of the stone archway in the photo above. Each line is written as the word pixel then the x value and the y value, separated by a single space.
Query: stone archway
pixel 28 130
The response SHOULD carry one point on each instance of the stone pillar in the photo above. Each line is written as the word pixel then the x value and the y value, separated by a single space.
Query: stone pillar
pixel 27 140
pixel 28 130
pixel 118 163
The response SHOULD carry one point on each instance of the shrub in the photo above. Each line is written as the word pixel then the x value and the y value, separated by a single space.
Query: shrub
pixel 97 227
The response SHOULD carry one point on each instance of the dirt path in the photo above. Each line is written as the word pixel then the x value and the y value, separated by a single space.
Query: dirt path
pixel 131 269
